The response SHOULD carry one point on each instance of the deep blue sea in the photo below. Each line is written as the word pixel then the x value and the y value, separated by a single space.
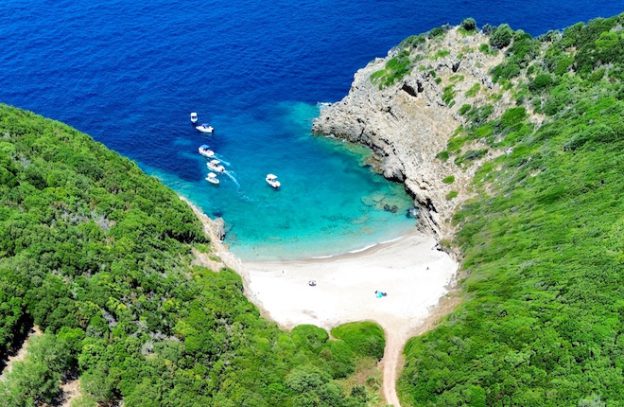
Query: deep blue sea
pixel 130 72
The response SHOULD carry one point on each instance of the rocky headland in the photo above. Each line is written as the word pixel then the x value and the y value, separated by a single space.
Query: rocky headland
pixel 408 105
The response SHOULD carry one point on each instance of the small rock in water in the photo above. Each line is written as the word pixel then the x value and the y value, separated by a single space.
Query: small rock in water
pixel 391 208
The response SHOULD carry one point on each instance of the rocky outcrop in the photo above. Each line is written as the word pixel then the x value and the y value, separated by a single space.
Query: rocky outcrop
pixel 408 123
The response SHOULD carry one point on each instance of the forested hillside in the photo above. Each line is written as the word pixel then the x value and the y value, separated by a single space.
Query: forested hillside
pixel 542 323
pixel 98 255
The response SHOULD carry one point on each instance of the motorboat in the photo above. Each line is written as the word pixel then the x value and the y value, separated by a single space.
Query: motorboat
pixel 202 128
pixel 205 151
pixel 212 178
pixel 215 165
pixel 271 179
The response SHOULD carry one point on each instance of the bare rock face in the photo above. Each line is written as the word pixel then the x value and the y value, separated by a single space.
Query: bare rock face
pixel 409 122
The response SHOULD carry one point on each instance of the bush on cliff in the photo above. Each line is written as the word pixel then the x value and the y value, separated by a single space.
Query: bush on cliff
pixel 469 24
pixel 502 36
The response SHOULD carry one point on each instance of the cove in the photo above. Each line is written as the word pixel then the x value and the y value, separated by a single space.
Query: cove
pixel 330 201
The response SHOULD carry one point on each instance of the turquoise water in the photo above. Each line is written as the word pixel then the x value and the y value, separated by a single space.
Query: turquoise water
pixel 329 203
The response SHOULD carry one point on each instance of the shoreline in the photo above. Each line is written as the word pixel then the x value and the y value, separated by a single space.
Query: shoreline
pixel 410 268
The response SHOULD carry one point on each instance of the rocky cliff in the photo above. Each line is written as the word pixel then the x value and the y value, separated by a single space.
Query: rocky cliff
pixel 407 106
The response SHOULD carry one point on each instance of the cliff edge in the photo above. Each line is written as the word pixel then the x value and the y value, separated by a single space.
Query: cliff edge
pixel 408 105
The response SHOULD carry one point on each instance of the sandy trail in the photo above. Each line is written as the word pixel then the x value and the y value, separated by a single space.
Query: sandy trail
pixel 413 273
pixel 21 354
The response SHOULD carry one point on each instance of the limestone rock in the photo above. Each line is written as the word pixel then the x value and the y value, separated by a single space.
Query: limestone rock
pixel 408 123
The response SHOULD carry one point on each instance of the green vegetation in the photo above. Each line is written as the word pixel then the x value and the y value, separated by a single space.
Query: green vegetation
pixel 523 51
pixel 543 318
pixel 438 32
pixel 441 54
pixel 452 195
pixel 395 69
pixel 501 37
pixel 469 24
pixel 474 89
pixel 98 255
pixel 465 109
pixel 448 179
pixel 448 95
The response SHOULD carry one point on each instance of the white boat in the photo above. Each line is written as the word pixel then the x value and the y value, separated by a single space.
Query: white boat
pixel 215 165
pixel 205 151
pixel 202 128
pixel 212 178
pixel 271 179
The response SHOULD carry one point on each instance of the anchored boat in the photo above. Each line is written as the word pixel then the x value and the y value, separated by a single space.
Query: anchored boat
pixel 215 165
pixel 212 178
pixel 205 151
pixel 271 179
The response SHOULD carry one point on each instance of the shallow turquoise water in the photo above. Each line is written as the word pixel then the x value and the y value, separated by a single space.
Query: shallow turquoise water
pixel 329 203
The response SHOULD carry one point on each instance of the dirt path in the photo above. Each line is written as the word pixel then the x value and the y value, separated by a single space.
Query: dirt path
pixel 397 334
pixel 21 354
pixel 391 362
pixel 71 391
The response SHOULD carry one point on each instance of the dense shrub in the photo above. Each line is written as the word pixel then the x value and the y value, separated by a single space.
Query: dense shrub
pixel 365 338
pixel 502 36
pixel 469 24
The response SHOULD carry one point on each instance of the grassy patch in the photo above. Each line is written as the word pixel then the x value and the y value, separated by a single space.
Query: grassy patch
pixel 451 195
pixel 474 89
pixel 448 95
pixel 449 179
pixel 395 69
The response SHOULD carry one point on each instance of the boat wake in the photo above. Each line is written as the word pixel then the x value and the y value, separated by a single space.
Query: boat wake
pixel 231 176
pixel 223 161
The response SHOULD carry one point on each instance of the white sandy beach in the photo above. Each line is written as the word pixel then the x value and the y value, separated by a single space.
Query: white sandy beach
pixel 410 270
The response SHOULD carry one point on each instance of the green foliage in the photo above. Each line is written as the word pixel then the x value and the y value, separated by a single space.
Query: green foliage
pixel 478 115
pixel 441 53
pixel 448 95
pixel 541 82
pixel 465 109
pixel 395 69
pixel 443 155
pixel 487 50
pixel 437 32
pixel 448 179
pixel 543 318
pixel 451 195
pixel 413 41
pixel 36 379
pixel 99 256
pixel 365 338
pixel 469 24
pixel 502 36
pixel 474 89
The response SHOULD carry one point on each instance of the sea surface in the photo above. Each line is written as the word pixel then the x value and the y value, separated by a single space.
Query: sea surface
pixel 130 72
